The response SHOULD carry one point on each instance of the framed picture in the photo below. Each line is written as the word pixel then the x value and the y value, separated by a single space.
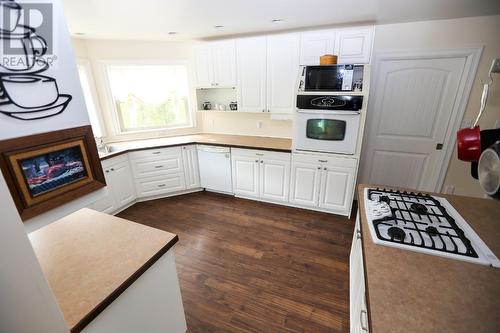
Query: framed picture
pixel 47 170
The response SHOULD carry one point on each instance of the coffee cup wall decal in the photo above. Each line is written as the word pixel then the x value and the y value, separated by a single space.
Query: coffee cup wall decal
pixel 24 93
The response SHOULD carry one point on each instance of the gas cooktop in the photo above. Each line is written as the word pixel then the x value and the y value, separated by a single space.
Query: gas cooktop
pixel 423 223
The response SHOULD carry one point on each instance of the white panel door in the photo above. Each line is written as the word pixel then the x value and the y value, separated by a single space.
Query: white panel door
pixel 411 109
pixel 224 63
pixel 274 179
pixel 354 46
pixel 251 63
pixel 314 44
pixel 191 166
pixel 245 175
pixel 337 184
pixel 106 204
pixel 304 184
pixel 203 69
pixel 122 184
pixel 282 72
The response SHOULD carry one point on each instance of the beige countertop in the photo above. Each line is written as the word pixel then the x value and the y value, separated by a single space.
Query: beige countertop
pixel 239 141
pixel 413 292
pixel 89 258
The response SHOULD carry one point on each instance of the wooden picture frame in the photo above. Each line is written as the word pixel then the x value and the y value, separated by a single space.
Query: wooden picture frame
pixel 47 170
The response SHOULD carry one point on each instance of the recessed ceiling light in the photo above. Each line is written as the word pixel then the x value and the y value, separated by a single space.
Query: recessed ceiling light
pixel 218 26
pixel 278 20
pixel 172 32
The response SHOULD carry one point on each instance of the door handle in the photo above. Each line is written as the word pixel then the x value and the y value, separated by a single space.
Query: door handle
pixel 361 321
pixel 439 146
pixel 159 166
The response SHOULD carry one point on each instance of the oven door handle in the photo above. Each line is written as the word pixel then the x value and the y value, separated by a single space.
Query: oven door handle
pixel 329 112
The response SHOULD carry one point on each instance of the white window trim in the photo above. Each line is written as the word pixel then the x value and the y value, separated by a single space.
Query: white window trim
pixel 93 91
pixel 113 112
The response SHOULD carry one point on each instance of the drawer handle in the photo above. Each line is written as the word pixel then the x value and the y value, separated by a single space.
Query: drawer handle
pixel 256 161
pixel 361 321
pixel 155 152
pixel 159 166
pixel 162 185
pixel 323 161
pixel 259 154
pixel 325 169
pixel 112 169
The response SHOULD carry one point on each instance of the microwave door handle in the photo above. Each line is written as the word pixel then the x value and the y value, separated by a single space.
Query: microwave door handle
pixel 328 112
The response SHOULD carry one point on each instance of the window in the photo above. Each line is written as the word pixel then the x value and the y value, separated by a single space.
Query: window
pixel 149 97
pixel 88 89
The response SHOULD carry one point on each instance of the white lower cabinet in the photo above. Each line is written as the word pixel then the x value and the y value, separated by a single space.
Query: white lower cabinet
pixel 323 182
pixel 261 174
pixel 358 309
pixel 158 171
pixel 120 190
pixel 191 166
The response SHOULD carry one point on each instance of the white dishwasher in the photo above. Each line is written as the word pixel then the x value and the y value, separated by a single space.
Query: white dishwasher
pixel 215 168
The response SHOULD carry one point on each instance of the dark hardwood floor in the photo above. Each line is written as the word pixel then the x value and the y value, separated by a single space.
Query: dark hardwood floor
pixel 247 266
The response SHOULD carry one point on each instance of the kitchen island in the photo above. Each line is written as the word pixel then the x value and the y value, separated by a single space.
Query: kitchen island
pixel 111 275
pixel 410 292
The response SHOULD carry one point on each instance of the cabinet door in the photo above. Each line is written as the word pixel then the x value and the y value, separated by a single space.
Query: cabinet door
pixel 304 185
pixel 191 167
pixel 224 63
pixel 245 175
pixel 282 72
pixel 106 203
pixel 274 178
pixel 337 184
pixel 203 67
pixel 251 62
pixel 122 184
pixel 354 46
pixel 314 44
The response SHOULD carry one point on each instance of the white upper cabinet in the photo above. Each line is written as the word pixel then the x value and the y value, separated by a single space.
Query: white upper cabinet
pixel 203 73
pixel 224 63
pixel 251 60
pixel 354 45
pixel 215 64
pixel 282 72
pixel 314 44
pixel 351 45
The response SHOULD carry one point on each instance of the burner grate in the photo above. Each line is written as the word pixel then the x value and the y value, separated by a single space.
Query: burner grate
pixel 419 220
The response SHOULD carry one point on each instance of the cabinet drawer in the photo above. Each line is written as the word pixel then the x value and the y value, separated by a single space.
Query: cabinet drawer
pixel 114 160
pixel 159 185
pixel 328 160
pixel 257 153
pixel 155 153
pixel 155 167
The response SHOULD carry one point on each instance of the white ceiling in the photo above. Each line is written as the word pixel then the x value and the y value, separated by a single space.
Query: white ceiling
pixel 195 19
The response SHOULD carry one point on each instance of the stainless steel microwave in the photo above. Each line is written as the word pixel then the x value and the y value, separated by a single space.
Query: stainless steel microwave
pixel 330 78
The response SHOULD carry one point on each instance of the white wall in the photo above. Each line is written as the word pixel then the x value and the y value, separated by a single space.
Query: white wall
pixel 27 304
pixel 456 33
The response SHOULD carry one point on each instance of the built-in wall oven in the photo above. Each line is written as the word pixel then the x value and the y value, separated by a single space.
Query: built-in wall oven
pixel 327 123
